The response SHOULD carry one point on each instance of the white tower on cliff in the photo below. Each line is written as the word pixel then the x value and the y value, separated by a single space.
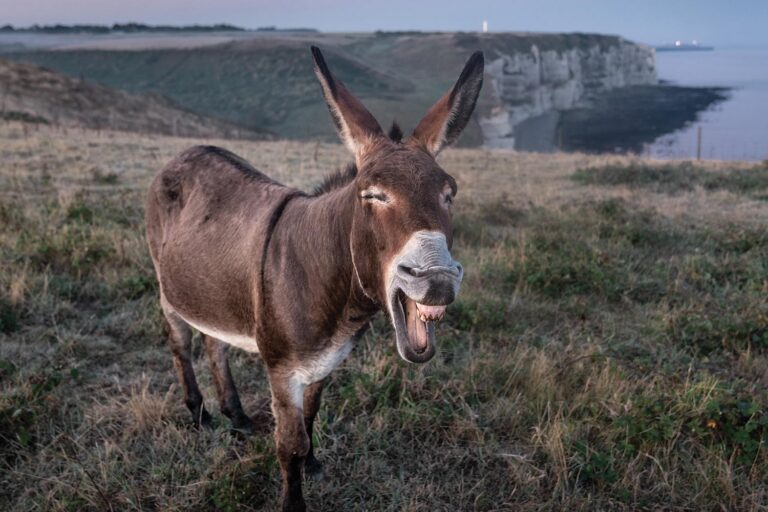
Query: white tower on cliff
pixel 485 26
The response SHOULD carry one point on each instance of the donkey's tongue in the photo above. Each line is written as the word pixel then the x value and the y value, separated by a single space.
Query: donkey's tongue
pixel 417 328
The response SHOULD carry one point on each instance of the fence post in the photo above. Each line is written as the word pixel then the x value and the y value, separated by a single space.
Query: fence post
pixel 698 144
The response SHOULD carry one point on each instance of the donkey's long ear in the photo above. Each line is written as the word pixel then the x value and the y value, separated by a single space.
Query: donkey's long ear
pixel 356 126
pixel 448 117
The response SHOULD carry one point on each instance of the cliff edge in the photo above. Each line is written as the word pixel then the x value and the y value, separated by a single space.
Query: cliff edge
pixel 526 84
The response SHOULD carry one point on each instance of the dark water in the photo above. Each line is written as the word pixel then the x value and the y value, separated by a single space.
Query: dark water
pixel 734 129
pixel 629 119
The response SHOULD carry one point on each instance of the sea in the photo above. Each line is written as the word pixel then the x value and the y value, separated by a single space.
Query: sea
pixel 734 129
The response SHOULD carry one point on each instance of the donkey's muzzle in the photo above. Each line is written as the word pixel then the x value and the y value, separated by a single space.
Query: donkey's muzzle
pixel 423 280
pixel 437 285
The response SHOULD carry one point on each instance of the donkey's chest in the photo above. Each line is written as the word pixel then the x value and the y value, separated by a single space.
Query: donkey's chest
pixel 319 365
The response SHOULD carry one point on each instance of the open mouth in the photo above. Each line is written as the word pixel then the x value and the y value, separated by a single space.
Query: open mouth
pixel 420 281
pixel 419 321
pixel 415 327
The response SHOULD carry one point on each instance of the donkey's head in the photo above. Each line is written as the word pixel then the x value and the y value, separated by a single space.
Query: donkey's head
pixel 402 229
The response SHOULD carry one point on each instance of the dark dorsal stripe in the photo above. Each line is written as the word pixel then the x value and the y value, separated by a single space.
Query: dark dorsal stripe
pixel 236 162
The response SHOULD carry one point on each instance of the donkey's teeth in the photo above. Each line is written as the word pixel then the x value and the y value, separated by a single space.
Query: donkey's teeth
pixel 430 313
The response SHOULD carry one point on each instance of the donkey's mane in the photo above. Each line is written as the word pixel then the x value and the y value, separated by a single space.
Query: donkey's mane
pixel 336 180
pixel 395 132
pixel 347 174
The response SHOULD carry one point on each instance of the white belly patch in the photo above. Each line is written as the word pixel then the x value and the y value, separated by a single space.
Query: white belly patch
pixel 236 340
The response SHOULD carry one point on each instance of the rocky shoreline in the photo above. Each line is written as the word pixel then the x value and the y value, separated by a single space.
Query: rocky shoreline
pixel 626 120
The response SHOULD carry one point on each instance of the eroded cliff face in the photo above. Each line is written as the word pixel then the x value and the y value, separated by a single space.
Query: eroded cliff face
pixel 524 85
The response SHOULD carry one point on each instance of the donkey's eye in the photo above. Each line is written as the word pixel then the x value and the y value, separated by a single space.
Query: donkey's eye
pixel 374 195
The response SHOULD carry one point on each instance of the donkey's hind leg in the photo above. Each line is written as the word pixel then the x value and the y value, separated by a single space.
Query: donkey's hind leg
pixel 180 339
pixel 229 399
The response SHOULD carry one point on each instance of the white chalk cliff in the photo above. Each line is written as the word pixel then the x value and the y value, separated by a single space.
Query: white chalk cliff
pixel 526 84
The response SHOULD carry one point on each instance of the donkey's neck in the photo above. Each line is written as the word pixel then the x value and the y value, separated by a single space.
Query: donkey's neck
pixel 312 243
pixel 333 212
pixel 327 219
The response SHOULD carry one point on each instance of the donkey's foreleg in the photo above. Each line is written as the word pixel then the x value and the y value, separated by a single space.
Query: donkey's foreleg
pixel 180 339
pixel 290 436
pixel 312 467
pixel 229 400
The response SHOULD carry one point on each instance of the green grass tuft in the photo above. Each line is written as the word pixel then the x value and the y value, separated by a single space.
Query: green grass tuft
pixel 673 179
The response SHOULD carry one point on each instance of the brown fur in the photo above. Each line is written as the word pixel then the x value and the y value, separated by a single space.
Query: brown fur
pixel 237 252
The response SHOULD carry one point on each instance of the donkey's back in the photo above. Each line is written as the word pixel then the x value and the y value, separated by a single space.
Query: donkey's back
pixel 206 207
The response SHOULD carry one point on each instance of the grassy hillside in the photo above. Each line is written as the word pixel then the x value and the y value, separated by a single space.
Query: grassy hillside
pixel 259 83
pixel 608 351
pixel 36 94
pixel 266 82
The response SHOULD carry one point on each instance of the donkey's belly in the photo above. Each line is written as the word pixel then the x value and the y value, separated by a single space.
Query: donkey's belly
pixel 241 341
pixel 207 274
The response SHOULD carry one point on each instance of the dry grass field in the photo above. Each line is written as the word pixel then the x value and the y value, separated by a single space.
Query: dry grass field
pixel 608 351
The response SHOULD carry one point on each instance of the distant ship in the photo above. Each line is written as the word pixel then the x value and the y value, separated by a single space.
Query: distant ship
pixel 679 46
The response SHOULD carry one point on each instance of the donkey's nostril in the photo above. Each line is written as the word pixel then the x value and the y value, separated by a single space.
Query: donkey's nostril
pixel 434 270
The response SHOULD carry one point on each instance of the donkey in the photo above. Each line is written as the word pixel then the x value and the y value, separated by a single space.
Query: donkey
pixel 254 264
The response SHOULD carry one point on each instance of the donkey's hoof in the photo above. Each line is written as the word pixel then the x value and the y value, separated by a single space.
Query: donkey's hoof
pixel 294 505
pixel 243 425
pixel 313 470
pixel 203 420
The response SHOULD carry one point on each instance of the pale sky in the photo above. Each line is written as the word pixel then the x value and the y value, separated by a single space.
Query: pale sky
pixel 729 22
